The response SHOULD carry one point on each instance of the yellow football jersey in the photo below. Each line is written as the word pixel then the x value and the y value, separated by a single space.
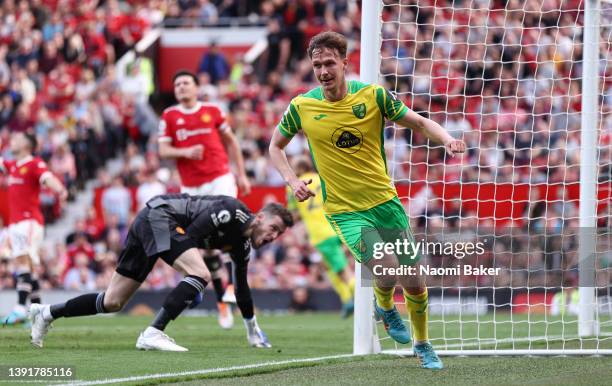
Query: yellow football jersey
pixel 311 211
pixel 346 139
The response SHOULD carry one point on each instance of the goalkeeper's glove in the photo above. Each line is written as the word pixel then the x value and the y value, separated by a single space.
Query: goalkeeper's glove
pixel 255 336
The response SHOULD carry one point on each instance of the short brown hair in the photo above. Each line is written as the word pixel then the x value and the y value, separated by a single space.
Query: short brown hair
pixel 186 73
pixel 276 209
pixel 328 39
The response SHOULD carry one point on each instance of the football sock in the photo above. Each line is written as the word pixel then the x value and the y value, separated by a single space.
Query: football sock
pixel 24 287
pixel 178 299
pixel 417 309
pixel 230 274
pixel 35 295
pixel 384 297
pixel 352 286
pixel 213 263
pixel 342 289
pixel 219 291
pixel 88 304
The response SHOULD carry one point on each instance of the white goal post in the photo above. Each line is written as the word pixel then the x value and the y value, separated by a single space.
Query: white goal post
pixel 535 134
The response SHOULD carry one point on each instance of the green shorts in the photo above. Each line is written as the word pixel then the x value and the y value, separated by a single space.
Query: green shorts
pixel 333 254
pixel 384 223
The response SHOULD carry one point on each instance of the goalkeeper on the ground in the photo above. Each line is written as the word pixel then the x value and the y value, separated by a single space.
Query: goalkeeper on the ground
pixel 344 123
pixel 322 236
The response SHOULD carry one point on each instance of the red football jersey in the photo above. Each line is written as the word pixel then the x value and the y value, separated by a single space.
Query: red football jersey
pixel 24 180
pixel 200 125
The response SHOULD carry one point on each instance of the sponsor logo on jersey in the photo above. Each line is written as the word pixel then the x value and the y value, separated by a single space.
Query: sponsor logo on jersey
pixel 15 180
pixel 348 139
pixel 184 134
pixel 359 110
pixel 180 121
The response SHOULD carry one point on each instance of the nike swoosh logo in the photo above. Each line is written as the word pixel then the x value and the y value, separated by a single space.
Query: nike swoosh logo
pixel 320 116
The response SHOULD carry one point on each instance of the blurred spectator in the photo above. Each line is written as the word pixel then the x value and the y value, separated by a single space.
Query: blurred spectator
pixel 149 187
pixel 214 64
pixel 116 200
pixel 80 277
pixel 300 299
pixel 63 165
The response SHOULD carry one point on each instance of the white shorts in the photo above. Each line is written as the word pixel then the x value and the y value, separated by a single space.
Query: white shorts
pixel 26 238
pixel 224 185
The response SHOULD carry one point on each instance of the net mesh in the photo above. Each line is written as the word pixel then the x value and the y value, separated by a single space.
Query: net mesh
pixel 504 76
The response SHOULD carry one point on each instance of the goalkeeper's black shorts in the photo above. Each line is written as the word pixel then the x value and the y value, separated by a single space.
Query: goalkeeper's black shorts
pixel 154 234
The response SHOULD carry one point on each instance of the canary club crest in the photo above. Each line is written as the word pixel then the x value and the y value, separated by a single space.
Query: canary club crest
pixel 359 110
pixel 206 118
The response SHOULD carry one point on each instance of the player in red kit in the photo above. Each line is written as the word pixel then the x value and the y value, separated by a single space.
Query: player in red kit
pixel 198 136
pixel 26 174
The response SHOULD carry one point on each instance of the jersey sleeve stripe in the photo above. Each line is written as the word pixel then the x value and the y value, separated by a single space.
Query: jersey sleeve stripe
pixel 285 132
pixel 389 107
pixel 285 123
pixel 296 116
pixel 164 139
pixel 380 100
pixel 403 110
pixel 291 123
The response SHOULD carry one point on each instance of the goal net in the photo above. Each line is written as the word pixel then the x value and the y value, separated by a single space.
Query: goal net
pixel 514 80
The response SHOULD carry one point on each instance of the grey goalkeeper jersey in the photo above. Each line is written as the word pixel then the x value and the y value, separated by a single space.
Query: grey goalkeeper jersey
pixel 213 222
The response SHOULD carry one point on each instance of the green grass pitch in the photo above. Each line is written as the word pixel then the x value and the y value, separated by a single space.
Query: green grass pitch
pixel 103 348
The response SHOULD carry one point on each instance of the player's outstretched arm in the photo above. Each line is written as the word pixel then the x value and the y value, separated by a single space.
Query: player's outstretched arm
pixel 280 162
pixel 255 335
pixel 433 131
pixel 56 185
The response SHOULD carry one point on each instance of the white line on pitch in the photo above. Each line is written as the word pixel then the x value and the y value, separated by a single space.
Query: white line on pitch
pixel 205 371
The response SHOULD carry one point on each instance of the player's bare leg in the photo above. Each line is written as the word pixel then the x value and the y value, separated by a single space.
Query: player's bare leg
pixel 116 296
pixel 197 276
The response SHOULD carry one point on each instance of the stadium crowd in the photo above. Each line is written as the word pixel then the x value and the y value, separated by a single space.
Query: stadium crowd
pixel 505 80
